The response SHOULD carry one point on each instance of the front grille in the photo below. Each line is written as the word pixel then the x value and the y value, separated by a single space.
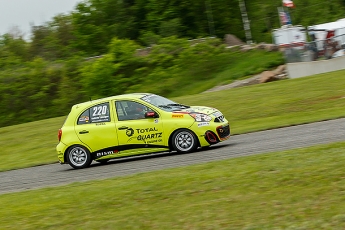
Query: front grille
pixel 223 131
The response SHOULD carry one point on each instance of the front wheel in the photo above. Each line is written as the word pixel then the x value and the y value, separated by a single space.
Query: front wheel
pixel 79 157
pixel 184 141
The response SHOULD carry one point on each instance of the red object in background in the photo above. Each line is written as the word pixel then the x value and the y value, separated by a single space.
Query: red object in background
pixel 288 3
pixel 330 34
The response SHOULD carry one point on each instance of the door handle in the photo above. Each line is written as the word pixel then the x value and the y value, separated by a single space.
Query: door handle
pixel 123 128
pixel 83 132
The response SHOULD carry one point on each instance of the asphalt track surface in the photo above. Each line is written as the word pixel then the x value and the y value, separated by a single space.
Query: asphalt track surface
pixel 237 146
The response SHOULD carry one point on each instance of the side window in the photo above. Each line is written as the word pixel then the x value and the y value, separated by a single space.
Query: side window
pixel 95 114
pixel 130 110
pixel 84 118
pixel 100 113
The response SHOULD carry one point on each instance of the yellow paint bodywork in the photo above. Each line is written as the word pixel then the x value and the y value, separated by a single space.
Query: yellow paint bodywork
pixel 153 134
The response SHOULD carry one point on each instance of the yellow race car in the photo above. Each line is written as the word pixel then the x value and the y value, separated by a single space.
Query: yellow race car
pixel 133 124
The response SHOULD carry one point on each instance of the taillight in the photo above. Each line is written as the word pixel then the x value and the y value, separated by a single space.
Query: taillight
pixel 59 135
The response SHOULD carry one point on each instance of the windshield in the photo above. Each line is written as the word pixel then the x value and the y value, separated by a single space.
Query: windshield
pixel 163 103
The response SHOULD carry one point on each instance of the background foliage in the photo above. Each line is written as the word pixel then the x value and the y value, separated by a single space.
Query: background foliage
pixel 40 89
pixel 53 70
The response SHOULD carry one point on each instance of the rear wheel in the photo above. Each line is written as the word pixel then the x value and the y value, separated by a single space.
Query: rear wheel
pixel 184 141
pixel 79 157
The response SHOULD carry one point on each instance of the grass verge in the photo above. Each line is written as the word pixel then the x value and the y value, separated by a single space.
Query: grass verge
pixel 248 109
pixel 296 189
pixel 278 104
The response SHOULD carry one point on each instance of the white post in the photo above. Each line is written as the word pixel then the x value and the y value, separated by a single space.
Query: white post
pixel 246 22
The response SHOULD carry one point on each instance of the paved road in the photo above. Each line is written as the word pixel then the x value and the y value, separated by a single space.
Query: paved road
pixel 236 146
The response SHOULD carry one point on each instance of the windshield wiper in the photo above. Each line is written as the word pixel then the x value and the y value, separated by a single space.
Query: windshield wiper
pixel 164 106
pixel 186 106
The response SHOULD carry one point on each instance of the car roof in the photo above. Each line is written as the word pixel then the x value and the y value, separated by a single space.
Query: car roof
pixel 116 97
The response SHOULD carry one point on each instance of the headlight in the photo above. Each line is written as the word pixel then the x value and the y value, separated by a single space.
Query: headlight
pixel 200 117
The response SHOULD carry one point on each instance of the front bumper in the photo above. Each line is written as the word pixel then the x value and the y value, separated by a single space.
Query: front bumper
pixel 223 132
pixel 213 133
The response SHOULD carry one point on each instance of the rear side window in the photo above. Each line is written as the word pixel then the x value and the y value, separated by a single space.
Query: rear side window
pixel 84 118
pixel 95 114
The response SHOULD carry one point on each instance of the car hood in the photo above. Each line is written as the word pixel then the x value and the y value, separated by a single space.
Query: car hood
pixel 200 109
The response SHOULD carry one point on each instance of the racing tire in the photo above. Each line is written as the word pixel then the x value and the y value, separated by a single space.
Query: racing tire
pixel 184 141
pixel 78 157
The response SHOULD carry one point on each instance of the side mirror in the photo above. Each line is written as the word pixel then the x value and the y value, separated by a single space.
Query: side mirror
pixel 151 114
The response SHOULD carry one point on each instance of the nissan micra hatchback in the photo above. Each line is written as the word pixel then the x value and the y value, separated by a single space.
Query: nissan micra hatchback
pixel 133 124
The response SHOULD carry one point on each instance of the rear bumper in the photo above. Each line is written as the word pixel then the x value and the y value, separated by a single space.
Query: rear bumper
pixel 60 149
